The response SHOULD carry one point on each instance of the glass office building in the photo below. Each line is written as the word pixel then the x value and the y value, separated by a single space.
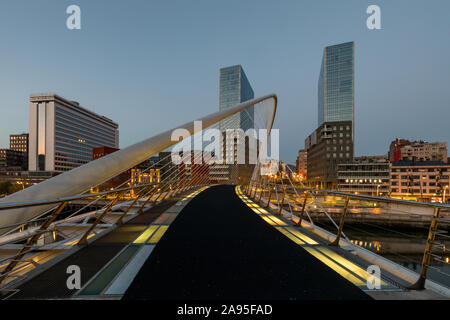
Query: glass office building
pixel 336 84
pixel 235 88
pixel 332 143
pixel 63 134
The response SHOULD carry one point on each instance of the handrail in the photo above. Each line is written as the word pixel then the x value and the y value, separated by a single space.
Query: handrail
pixel 13 205
pixel 376 198
pixel 433 232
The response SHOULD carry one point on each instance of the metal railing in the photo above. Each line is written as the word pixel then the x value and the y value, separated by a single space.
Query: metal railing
pixel 150 193
pixel 297 200
pixel 154 195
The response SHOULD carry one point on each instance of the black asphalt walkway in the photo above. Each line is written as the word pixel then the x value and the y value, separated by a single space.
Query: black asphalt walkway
pixel 218 248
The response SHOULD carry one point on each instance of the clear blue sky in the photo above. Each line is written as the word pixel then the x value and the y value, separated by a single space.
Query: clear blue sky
pixel 152 65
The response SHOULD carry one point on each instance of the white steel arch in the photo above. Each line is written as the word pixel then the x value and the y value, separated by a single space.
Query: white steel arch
pixel 81 179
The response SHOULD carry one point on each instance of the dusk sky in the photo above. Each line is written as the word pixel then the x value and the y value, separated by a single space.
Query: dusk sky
pixel 153 65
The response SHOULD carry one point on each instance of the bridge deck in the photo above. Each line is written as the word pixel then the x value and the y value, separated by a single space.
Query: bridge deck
pixel 51 283
pixel 218 248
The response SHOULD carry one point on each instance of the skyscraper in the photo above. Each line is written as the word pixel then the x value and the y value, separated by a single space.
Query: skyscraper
pixel 332 142
pixel 63 134
pixel 234 88
pixel 336 84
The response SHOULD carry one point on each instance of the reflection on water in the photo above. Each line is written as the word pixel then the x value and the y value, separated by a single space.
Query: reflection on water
pixel 405 247
pixel 439 271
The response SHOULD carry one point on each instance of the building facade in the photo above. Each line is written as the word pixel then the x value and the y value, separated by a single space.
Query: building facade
pixel 371 159
pixel 63 134
pixel 327 147
pixel 12 159
pixel 394 149
pixel 239 154
pixel 301 164
pixel 370 178
pixel 401 149
pixel 100 152
pixel 234 88
pixel 19 142
pixel 138 174
pixel 336 84
pixel 427 180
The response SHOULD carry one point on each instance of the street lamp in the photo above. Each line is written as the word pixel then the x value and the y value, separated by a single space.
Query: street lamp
pixel 378 189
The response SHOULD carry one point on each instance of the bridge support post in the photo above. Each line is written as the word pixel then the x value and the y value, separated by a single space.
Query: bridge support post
pixel 270 196
pixel 255 186
pixel 299 223
pixel 262 185
pixel 169 193
pixel 420 283
pixel 341 224
pixel 184 186
pixel 31 241
pixel 150 194
pixel 163 189
pixel 83 240
pixel 120 219
pixel 282 201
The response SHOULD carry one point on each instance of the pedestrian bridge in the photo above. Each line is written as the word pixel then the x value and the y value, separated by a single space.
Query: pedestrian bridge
pixel 201 231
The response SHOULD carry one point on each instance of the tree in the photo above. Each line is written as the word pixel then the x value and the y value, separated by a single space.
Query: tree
pixel 5 187
pixel 8 187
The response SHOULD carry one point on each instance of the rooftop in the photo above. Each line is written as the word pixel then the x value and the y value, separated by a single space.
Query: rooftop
pixel 47 97
pixel 408 163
